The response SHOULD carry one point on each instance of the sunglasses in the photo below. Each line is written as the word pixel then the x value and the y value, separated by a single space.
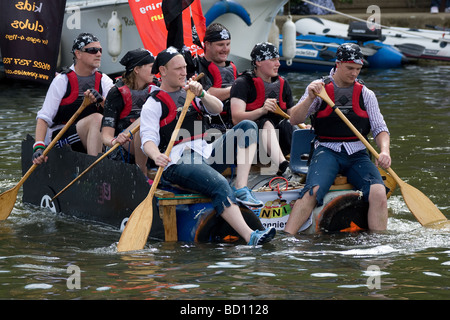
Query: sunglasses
pixel 92 50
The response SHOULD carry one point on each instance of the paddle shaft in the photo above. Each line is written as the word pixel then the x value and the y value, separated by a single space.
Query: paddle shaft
pixel 280 112
pixel 55 140
pixel 327 99
pixel 8 198
pixel 116 145
pixel 138 226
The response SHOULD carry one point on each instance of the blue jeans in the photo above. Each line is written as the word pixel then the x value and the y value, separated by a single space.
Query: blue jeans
pixel 325 164
pixel 204 176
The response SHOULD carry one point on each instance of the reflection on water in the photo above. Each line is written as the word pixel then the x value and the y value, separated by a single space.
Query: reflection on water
pixel 39 250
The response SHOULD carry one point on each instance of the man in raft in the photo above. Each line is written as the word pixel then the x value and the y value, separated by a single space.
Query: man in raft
pixel 255 95
pixel 220 73
pixel 337 149
pixel 64 97
pixel 193 163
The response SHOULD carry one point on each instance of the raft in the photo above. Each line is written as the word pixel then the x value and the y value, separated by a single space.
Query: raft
pixel 109 192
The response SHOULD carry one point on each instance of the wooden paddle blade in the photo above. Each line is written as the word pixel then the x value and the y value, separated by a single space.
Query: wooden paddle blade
pixel 137 229
pixel 421 207
pixel 7 201
pixel 8 198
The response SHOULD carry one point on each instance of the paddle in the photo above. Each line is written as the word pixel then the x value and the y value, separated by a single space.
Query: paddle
pixel 117 144
pixel 8 198
pixel 420 206
pixel 138 226
pixel 280 112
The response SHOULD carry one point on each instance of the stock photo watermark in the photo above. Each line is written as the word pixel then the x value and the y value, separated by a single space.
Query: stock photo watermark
pixel 74 280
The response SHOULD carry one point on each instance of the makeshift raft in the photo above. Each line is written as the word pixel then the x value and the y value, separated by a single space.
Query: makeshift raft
pixel 109 192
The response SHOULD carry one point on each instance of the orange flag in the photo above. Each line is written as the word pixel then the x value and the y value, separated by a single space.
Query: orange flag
pixel 149 20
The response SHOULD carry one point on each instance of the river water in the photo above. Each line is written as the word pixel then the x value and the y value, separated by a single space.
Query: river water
pixel 48 256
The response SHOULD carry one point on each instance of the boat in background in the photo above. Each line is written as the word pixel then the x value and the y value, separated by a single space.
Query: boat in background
pixel 318 53
pixel 247 28
pixel 316 49
pixel 112 22
pixel 417 44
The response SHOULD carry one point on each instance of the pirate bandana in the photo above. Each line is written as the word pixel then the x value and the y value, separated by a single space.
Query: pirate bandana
pixel 264 51
pixel 164 57
pixel 349 52
pixel 217 35
pixel 135 58
pixel 83 40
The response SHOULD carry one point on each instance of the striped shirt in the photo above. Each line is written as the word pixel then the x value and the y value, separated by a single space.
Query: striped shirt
pixel 377 123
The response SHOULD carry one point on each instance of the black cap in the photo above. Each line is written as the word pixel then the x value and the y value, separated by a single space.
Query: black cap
pixel 135 58
pixel 164 57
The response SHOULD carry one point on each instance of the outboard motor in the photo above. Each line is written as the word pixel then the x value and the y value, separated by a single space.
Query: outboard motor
pixel 358 30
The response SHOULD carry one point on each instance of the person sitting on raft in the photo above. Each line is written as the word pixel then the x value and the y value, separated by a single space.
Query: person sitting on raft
pixel 193 163
pixel 123 107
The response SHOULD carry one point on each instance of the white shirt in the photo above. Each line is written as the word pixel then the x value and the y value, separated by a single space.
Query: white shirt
pixel 150 117
pixel 55 94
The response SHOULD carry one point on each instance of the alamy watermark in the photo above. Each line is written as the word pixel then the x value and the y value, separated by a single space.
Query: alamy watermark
pixel 374 277
pixel 74 280
pixel 373 22
pixel 226 147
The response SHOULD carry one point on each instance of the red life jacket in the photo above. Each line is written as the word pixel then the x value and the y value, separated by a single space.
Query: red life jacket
pixel 168 120
pixel 261 94
pixel 214 71
pixel 327 124
pixel 72 101
pixel 127 98
pixel 214 74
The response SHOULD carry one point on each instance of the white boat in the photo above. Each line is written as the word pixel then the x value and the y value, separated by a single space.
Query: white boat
pixel 112 22
pixel 261 14
pixel 413 43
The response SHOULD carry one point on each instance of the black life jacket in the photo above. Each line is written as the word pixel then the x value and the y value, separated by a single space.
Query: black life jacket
pixel 133 100
pixel 215 75
pixel 277 85
pixel 327 124
pixel 195 122
pixel 72 99
pixel 213 72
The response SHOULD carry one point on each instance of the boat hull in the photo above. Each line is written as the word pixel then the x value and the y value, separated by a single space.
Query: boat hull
pixel 318 53
pixel 110 191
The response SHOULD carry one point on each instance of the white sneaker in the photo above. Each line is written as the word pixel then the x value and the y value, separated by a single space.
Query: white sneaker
pixel 434 9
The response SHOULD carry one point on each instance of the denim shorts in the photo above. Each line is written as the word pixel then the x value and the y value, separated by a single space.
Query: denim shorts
pixel 325 164
pixel 204 176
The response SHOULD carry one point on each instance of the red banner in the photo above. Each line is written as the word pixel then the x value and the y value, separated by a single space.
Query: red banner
pixel 149 20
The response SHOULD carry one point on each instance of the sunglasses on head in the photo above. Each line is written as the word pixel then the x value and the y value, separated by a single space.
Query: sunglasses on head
pixel 92 50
